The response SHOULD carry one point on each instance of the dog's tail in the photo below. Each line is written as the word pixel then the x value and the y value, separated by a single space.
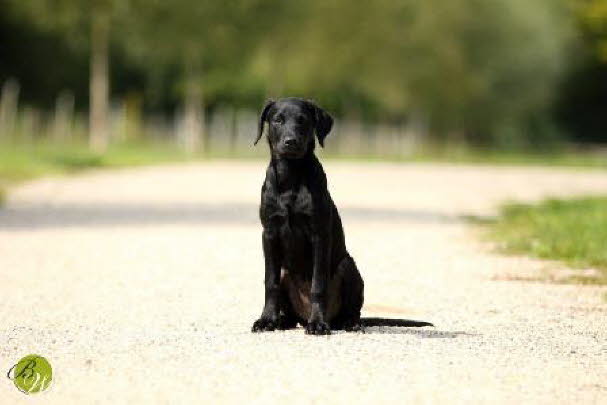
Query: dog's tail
pixel 405 323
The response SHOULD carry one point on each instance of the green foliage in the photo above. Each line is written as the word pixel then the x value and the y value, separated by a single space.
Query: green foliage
pixel 474 70
pixel 582 98
pixel 485 70
pixel 574 231
pixel 593 16
pixel 71 18
pixel 204 41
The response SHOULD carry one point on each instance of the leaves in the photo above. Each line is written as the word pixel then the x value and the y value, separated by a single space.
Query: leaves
pixel 487 70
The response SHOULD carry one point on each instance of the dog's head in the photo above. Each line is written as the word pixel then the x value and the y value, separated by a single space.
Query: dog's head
pixel 292 123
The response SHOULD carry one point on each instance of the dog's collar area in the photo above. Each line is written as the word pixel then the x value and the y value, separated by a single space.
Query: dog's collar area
pixel 273 162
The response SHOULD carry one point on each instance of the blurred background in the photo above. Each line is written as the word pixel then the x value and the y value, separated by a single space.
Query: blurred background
pixel 101 82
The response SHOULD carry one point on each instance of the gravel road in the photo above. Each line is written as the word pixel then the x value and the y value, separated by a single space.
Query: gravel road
pixel 141 285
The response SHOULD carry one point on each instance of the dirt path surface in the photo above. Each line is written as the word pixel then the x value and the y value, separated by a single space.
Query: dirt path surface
pixel 141 286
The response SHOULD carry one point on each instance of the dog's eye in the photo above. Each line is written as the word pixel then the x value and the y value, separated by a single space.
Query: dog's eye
pixel 278 119
pixel 300 119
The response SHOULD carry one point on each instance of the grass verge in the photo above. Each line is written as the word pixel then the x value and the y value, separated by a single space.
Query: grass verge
pixel 573 231
pixel 21 161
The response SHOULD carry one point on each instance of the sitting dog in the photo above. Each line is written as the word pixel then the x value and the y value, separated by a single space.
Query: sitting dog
pixel 310 278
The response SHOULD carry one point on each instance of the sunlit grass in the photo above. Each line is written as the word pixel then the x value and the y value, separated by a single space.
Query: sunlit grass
pixel 573 231
pixel 464 154
pixel 25 161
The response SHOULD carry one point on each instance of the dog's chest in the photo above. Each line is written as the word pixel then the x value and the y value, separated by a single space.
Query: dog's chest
pixel 296 204
pixel 293 212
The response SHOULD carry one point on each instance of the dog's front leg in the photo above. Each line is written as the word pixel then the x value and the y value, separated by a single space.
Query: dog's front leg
pixel 270 316
pixel 317 324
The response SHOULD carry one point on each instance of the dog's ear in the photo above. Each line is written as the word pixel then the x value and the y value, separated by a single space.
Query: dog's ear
pixel 324 123
pixel 262 119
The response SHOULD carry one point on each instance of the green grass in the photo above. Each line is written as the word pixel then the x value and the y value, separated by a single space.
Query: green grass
pixel 573 231
pixel 565 156
pixel 20 161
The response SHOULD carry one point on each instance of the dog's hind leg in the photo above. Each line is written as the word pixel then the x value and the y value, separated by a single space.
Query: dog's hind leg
pixel 352 297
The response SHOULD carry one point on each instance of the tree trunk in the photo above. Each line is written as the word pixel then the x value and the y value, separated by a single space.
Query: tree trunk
pixel 64 116
pixel 9 97
pixel 193 120
pixel 99 80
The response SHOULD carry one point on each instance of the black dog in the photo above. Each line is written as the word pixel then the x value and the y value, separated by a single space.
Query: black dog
pixel 309 276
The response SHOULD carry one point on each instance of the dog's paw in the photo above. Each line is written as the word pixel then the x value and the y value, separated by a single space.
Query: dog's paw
pixel 318 328
pixel 265 325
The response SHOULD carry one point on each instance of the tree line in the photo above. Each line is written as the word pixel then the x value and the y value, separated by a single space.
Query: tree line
pixel 510 73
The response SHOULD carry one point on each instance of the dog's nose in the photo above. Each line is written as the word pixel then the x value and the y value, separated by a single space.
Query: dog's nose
pixel 290 141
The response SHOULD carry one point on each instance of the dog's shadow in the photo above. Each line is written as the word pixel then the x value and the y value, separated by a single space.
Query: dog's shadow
pixel 420 333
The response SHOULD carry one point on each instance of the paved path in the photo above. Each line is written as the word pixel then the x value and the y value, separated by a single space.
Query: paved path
pixel 141 286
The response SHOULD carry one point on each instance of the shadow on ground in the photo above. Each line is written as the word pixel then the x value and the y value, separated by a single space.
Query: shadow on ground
pixel 33 216
pixel 420 333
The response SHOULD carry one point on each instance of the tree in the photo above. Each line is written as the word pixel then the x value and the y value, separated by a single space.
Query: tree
pixel 593 16
pixel 483 71
pixel 78 19
pixel 202 38
pixel 582 98
pixel 473 67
